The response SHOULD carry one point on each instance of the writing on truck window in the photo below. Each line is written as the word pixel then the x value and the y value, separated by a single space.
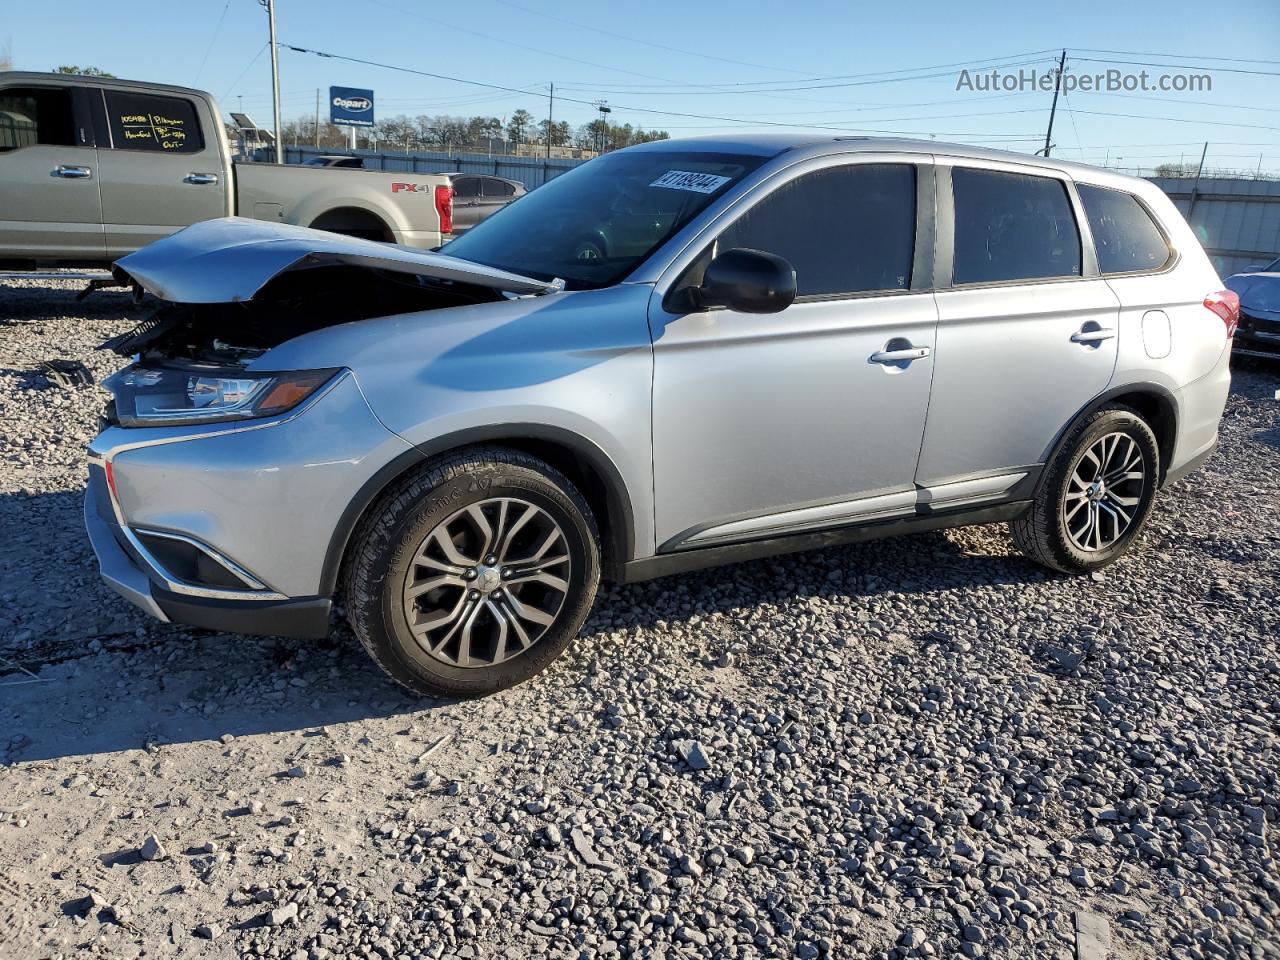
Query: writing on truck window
pixel 161 124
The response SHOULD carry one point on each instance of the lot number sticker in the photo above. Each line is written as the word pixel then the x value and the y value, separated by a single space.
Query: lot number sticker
pixel 693 182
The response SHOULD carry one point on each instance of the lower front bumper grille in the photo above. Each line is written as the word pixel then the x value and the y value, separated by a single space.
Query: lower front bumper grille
pixel 301 617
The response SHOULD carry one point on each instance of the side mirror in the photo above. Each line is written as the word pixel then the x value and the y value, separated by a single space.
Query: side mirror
pixel 748 281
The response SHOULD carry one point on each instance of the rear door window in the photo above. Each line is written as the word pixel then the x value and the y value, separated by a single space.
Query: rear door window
pixel 498 188
pixel 1126 238
pixel 1010 226
pixel 142 121
pixel 846 230
pixel 35 115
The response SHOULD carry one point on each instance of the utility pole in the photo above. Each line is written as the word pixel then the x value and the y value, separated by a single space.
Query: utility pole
pixel 1057 85
pixel 1191 204
pixel 317 116
pixel 551 102
pixel 604 108
pixel 275 76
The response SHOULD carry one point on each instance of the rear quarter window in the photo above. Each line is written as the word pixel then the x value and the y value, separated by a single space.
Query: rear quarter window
pixel 1124 235
pixel 142 121
pixel 1011 226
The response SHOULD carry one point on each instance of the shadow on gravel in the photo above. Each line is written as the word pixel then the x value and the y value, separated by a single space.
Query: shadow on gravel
pixel 164 683
pixel 24 305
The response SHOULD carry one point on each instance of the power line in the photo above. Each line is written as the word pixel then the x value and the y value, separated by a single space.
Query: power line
pixel 632 108
pixel 260 52
pixel 1181 66
pixel 1200 103
pixel 522 46
pixel 212 40
pixel 819 83
pixel 1147 116
pixel 1177 56
pixel 648 43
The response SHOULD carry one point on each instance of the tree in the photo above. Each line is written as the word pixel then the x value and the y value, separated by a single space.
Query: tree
pixel 558 135
pixel 399 130
pixel 520 122
pixel 6 54
pixel 83 71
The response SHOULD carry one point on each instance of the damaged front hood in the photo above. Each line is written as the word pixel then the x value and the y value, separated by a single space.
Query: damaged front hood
pixel 229 260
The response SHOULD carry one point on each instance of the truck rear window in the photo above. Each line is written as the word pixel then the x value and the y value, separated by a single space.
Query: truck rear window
pixel 141 121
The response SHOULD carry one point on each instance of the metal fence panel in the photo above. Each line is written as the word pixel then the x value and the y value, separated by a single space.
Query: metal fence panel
pixel 531 171
pixel 1237 221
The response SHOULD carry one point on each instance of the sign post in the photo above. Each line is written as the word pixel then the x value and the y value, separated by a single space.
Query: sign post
pixel 351 107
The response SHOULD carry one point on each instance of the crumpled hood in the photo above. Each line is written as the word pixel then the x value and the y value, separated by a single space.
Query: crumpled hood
pixel 230 259
pixel 1258 292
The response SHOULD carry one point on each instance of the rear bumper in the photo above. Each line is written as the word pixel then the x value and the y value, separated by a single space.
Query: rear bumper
pixel 131 576
pixel 1195 463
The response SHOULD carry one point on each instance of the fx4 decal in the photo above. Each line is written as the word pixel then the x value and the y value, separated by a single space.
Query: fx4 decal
pixel 410 187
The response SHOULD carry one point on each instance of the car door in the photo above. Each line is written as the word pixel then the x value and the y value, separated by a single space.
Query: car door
pixel 51 207
pixel 1026 328
pixel 466 203
pixel 812 417
pixel 164 168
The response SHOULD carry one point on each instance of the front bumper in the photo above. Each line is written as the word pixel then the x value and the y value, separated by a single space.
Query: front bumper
pixel 1257 336
pixel 127 571
pixel 236 527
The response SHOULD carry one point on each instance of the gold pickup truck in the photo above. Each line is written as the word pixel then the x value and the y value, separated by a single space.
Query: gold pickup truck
pixel 94 168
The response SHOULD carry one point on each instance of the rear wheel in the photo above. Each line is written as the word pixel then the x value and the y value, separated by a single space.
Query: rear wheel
pixel 1097 494
pixel 474 573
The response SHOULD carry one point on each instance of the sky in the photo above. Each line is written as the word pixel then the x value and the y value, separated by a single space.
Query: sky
pixel 718 65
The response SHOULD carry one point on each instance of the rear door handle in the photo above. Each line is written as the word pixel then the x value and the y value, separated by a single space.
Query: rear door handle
pixel 200 178
pixel 1093 336
pixel 899 356
pixel 71 172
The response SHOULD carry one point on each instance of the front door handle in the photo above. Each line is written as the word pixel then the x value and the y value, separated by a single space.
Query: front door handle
pixel 71 172
pixel 200 178
pixel 904 355
pixel 1093 335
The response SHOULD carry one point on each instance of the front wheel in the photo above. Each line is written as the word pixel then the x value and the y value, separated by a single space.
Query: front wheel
pixel 474 573
pixel 1096 496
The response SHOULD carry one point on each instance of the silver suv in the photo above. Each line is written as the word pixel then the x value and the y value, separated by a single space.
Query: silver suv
pixel 682 354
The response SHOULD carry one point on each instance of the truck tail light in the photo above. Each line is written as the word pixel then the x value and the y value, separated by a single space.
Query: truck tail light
pixel 444 206
pixel 1226 304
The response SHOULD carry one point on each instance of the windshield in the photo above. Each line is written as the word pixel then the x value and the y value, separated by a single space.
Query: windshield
pixel 595 224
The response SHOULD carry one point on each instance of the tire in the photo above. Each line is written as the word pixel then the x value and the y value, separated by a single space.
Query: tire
pixel 1077 526
pixel 406 562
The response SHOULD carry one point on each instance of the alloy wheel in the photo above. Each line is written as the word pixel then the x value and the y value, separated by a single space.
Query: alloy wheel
pixel 1104 492
pixel 486 584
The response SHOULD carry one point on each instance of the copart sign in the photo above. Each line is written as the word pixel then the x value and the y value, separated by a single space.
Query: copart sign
pixel 350 107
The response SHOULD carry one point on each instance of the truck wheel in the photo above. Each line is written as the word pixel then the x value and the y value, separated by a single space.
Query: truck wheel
pixel 473 573
pixel 1096 496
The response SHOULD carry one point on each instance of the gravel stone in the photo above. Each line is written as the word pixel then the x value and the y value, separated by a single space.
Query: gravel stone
pixel 918 747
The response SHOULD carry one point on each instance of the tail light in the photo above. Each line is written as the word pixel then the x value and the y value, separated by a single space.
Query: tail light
pixel 444 207
pixel 1226 304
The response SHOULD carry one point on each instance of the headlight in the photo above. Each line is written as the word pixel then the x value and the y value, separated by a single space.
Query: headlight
pixel 163 396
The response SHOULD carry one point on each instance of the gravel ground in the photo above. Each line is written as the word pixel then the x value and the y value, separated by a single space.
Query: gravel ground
pixel 920 747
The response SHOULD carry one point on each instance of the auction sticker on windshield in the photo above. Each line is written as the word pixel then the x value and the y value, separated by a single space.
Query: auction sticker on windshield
pixel 693 182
